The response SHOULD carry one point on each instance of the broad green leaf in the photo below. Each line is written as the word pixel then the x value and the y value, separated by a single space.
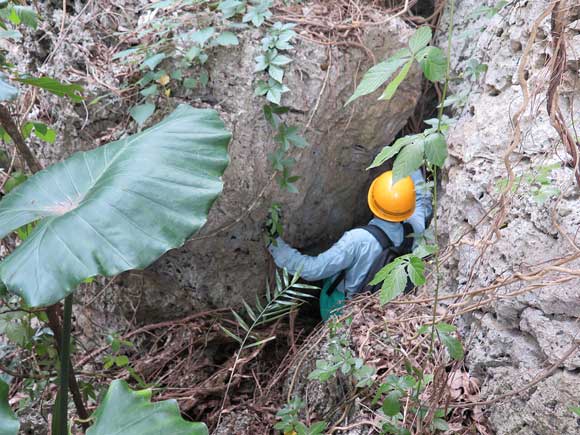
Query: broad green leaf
pixel 21 15
pixel 453 345
pixel 227 39
pixel 420 38
pixel 202 36
pixel 433 62
pixel 436 149
pixel 389 151
pixel 150 90
pixel 416 271
pixel 382 274
pixel 396 82
pixel 9 424
pixel 127 412
pixel 152 61
pixel 391 405
pixel 380 73
pixel 7 91
pixel 142 112
pixel 393 285
pixel 115 208
pixel 55 87
pixel 575 410
pixel 409 159
pixel 276 73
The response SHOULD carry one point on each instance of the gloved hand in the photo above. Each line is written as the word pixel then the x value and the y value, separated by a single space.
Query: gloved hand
pixel 273 225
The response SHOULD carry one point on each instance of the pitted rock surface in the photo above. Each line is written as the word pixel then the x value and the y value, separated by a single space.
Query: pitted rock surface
pixel 526 329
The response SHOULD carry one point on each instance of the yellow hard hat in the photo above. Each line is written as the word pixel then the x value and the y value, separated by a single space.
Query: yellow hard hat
pixel 390 202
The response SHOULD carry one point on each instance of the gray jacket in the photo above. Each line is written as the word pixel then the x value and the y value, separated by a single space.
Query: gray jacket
pixel 356 250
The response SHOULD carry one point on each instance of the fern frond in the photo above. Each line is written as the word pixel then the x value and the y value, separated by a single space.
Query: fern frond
pixel 280 302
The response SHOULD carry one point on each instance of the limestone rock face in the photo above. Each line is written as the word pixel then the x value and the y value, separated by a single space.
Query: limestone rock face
pixel 227 260
pixel 531 323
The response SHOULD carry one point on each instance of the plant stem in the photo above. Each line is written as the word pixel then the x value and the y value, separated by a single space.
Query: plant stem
pixel 65 367
pixel 435 193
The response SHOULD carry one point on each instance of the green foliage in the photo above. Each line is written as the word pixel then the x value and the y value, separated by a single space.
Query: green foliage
pixel 16 15
pixel 55 87
pixel 407 389
pixel 444 331
pixel 395 274
pixel 340 357
pixel 412 150
pixel 16 178
pixel 284 298
pixel 489 11
pixel 575 410
pixel 537 181
pixel 40 130
pixel 142 112
pixel 274 227
pixel 474 69
pixel 128 412
pixel 144 182
pixel 9 424
pixel 290 423
pixel 258 12
pixel 271 63
pixel 380 73
pixel 431 59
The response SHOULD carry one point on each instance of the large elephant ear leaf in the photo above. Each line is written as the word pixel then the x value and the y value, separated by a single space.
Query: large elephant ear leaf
pixel 126 412
pixel 115 208
pixel 9 424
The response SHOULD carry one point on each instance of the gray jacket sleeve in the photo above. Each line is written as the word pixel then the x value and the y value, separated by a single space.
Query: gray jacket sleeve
pixel 423 205
pixel 339 257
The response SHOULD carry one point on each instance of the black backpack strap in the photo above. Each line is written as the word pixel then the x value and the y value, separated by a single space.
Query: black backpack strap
pixel 380 235
pixel 407 245
pixel 335 283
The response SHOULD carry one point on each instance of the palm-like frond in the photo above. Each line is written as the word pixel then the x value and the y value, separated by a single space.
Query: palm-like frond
pixel 280 301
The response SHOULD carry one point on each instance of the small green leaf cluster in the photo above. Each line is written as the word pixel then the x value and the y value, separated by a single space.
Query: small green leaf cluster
pixel 412 150
pixel 445 333
pixel 340 357
pixel 290 423
pixel 431 59
pixel 474 69
pixel 538 180
pixel 40 130
pixel 489 11
pixel 280 301
pixel 272 62
pixel 402 388
pixel 274 226
pixel 287 137
pixel 116 358
pixel 394 275
pixel 255 11
pixel 187 49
